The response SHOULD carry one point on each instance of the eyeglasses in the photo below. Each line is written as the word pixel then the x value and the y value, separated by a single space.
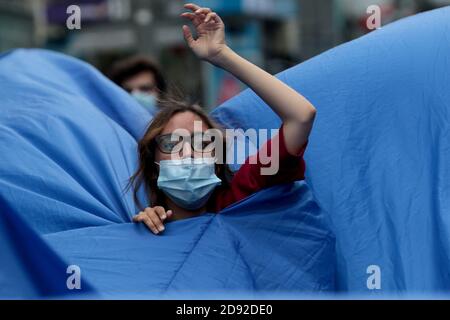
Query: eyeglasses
pixel 173 143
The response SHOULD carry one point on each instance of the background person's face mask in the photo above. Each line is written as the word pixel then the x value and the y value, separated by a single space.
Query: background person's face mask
pixel 147 100
pixel 188 182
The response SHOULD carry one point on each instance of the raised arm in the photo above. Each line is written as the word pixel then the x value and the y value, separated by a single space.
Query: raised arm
pixel 296 112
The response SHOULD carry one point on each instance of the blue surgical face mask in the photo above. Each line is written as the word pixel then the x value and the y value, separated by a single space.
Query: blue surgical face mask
pixel 148 101
pixel 188 182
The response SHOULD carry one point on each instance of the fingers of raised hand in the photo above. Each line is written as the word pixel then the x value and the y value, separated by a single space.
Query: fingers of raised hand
pixel 195 19
pixel 199 14
pixel 212 16
pixel 203 11
pixel 191 6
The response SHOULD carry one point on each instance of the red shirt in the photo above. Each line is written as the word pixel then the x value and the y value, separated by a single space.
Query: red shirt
pixel 248 179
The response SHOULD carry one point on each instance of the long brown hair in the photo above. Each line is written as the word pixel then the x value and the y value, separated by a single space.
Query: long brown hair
pixel 147 172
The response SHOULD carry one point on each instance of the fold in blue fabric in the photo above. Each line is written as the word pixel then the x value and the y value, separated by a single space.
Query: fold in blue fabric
pixel 253 248
pixel 68 144
pixel 29 268
pixel 378 156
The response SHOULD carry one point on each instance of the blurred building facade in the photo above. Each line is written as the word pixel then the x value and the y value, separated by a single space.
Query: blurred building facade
pixel 274 34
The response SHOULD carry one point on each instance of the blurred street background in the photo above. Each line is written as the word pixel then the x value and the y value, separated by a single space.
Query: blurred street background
pixel 275 34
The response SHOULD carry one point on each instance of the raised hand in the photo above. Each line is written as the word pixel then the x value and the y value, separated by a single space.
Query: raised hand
pixel 210 30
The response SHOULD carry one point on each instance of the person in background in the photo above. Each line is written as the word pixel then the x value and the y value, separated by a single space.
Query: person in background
pixel 142 78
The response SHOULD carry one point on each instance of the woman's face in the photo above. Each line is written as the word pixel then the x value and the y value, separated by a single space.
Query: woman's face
pixel 183 122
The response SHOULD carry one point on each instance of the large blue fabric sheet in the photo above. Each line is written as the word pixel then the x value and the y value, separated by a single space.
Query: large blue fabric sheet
pixel 254 247
pixel 378 160
pixel 68 146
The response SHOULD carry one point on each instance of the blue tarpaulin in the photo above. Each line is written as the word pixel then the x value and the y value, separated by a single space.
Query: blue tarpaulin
pixel 376 191
pixel 69 145
pixel 378 160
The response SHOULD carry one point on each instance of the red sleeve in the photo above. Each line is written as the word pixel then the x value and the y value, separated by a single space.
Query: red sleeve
pixel 250 179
